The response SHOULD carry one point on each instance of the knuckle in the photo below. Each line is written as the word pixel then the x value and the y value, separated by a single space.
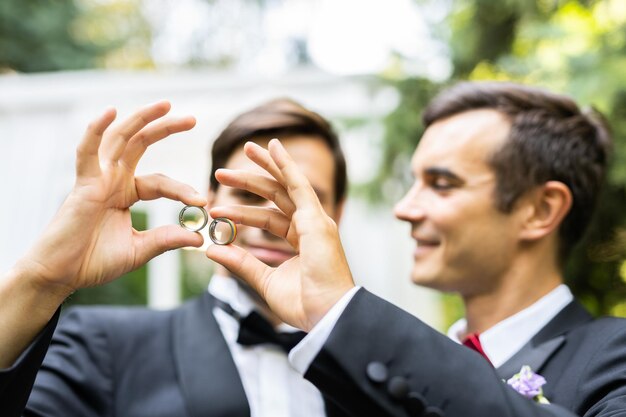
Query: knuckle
pixel 142 138
pixel 267 225
pixel 274 195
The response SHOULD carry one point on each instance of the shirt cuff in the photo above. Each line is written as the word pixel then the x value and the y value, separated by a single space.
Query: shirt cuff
pixel 304 352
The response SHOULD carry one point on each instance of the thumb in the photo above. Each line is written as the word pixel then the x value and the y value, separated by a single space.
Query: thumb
pixel 243 264
pixel 152 243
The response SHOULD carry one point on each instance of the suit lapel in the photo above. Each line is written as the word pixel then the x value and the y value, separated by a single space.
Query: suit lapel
pixel 208 376
pixel 545 343
pixel 533 356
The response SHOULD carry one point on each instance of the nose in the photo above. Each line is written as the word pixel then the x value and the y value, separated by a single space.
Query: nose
pixel 410 208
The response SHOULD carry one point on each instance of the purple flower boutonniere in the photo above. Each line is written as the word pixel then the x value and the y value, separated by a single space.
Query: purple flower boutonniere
pixel 529 384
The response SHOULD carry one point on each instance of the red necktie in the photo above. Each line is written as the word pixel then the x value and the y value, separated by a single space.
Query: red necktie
pixel 472 341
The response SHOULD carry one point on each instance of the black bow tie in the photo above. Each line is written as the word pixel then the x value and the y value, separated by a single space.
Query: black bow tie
pixel 254 330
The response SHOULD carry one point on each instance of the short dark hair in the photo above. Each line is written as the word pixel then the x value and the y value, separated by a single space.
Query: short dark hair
pixel 280 117
pixel 550 139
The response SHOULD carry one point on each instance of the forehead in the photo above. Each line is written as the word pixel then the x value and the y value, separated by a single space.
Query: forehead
pixel 311 153
pixel 462 141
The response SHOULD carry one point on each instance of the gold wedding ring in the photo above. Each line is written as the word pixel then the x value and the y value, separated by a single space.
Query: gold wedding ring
pixel 222 231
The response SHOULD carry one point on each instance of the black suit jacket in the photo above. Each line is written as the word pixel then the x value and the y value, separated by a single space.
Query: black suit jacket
pixel 381 361
pixel 111 361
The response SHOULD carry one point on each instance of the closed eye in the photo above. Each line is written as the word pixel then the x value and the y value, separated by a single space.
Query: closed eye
pixel 247 197
pixel 442 179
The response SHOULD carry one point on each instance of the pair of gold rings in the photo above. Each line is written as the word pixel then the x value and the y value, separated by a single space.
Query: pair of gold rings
pixel 222 231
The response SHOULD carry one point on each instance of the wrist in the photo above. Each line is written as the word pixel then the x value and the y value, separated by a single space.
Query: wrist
pixel 29 279
pixel 26 306
pixel 332 299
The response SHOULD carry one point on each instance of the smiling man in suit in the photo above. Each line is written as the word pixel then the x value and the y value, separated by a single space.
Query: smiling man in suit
pixel 506 180
pixel 222 354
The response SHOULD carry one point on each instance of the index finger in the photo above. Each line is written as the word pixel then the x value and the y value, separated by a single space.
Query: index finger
pixel 87 162
pixel 298 186
pixel 114 144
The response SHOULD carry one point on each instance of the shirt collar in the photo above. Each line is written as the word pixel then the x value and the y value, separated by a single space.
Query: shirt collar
pixel 502 341
pixel 229 291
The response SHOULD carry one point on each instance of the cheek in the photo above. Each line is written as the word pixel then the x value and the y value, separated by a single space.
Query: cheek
pixel 223 198
pixel 445 216
pixel 243 233
pixel 468 231
pixel 480 239
pixel 249 235
pixel 463 214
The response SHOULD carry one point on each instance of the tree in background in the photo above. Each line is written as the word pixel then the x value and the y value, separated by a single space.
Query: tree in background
pixel 51 35
pixel 575 47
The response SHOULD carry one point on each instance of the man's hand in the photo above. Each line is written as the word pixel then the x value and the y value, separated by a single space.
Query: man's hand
pixel 304 288
pixel 91 240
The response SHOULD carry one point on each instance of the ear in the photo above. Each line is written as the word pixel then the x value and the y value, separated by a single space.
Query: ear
pixel 547 207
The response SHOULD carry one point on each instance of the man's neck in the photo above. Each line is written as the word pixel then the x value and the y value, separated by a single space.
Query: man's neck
pixel 512 295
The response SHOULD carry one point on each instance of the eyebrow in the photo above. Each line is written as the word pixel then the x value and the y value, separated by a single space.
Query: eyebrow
pixel 443 172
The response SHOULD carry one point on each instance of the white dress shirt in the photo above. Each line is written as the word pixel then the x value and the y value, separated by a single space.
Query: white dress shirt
pixel 500 342
pixel 272 386
pixel 303 354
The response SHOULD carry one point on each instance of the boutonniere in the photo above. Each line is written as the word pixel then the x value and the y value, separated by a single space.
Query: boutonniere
pixel 529 384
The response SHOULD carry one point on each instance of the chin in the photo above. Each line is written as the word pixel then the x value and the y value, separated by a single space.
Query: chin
pixel 426 280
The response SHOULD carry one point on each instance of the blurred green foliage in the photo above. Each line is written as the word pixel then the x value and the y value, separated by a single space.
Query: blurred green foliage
pixel 196 273
pixel 574 47
pixel 50 35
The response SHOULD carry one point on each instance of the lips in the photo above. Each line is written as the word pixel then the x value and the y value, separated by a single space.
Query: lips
pixel 424 245
pixel 270 255
pixel 425 240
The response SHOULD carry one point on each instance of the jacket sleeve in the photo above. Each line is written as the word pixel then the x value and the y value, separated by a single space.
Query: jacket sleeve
pixel 601 386
pixel 381 361
pixel 17 381
pixel 75 378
